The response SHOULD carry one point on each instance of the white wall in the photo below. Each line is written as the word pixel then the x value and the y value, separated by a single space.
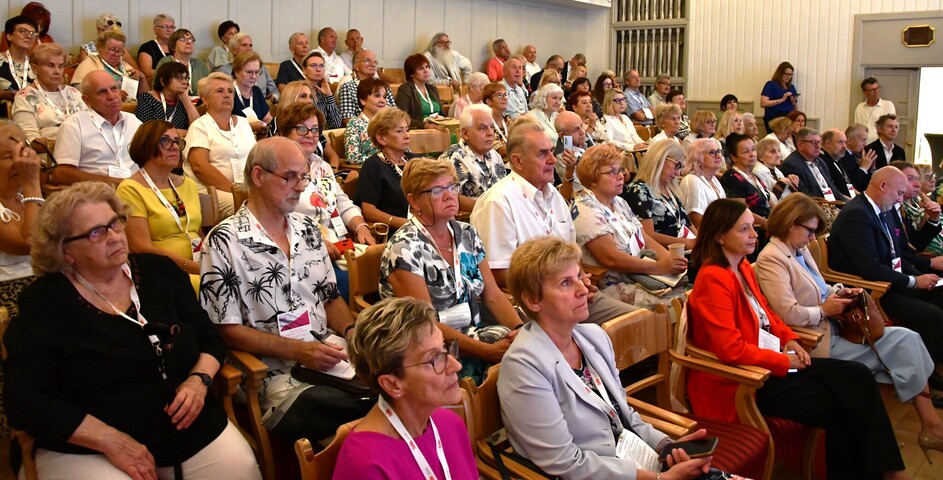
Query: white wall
pixel 735 45
pixel 393 28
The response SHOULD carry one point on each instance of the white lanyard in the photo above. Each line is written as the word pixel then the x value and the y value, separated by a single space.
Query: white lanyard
pixel 298 67
pixel 231 136
pixel 65 99
pixel 502 129
pixel 119 72
pixel 239 93
pixel 162 52
pixel 118 137
pixel 621 226
pixel 425 98
pixel 166 203
pixel 823 184
pixel 21 84
pixel 754 181
pixel 522 100
pixel 189 68
pixel 397 424
pixel 163 103
pixel 673 209
pixel 603 393
pixel 456 269
pixel 710 183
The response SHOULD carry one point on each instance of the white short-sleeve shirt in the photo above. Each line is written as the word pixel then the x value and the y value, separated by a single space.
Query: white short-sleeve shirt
pixel 223 146
pixel 92 144
pixel 698 192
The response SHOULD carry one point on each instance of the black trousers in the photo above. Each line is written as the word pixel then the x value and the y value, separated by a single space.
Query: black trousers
pixel 842 398
pixel 920 311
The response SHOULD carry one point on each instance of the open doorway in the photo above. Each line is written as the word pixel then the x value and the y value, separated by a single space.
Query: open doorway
pixel 929 117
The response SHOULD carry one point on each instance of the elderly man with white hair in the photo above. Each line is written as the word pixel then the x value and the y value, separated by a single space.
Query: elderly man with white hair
pixel 448 66
pixel 293 68
pixel 476 89
pixel 476 162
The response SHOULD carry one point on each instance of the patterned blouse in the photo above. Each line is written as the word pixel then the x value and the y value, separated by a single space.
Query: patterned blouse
pixel 475 175
pixel 594 220
pixel 332 114
pixel 357 141
pixel 39 114
pixel 151 108
pixel 915 215
pixel 756 195
pixel 667 214
pixel 414 252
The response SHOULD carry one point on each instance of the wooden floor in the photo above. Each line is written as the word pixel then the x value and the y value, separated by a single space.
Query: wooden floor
pixel 903 417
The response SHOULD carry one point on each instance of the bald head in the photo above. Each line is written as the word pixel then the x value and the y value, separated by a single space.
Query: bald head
pixel 834 143
pixel 570 124
pixel 102 93
pixel 888 186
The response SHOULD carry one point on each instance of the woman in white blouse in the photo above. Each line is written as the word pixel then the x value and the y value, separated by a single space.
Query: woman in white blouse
pixel 700 185
pixel 43 105
pixel 218 143
pixel 544 108
pixel 621 130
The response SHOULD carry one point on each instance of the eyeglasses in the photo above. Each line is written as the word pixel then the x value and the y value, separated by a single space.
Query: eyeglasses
pixel 112 23
pixel 437 192
pixel 166 142
pixel 115 51
pixel 252 73
pixel 929 177
pixel 187 40
pixel 169 28
pixel 444 42
pixel 294 180
pixel 814 143
pixel 98 233
pixel 618 100
pixel 501 96
pixel 677 164
pixel 875 89
pixel 303 130
pixel 710 122
pixel 715 152
pixel 26 32
pixel 615 172
pixel 183 77
pixel 316 66
pixel 368 61
pixel 440 360
pixel 809 230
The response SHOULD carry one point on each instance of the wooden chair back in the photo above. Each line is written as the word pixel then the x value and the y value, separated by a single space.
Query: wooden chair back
pixel 272 69
pixel 364 275
pixel 429 140
pixel 25 440
pixel 394 87
pixel 209 208
pixel 349 184
pixel 334 87
pixel 335 138
pixel 392 75
pixel 644 132
pixel 240 194
pixel 320 465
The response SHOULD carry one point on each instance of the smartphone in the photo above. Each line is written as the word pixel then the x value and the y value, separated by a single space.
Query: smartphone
pixel 694 448
pixel 567 142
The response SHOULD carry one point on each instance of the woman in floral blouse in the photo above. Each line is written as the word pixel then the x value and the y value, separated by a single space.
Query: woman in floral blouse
pixel 442 261
pixel 612 236
pixel 652 197
pixel 43 105
pixel 371 93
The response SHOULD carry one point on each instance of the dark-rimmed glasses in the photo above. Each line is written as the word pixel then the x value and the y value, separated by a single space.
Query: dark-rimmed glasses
pixel 303 130
pixel 112 23
pixel 810 231
pixel 98 233
pixel 292 181
pixel 166 142
pixel 440 360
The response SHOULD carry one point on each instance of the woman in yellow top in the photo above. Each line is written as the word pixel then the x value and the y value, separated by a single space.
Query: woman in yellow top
pixel 165 215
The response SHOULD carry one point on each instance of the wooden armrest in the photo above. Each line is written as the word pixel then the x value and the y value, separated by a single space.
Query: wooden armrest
pixel 348 166
pixel 666 417
pixel 229 376
pixel 249 364
pixel 596 274
pixel 668 428
pixel 747 375
pixel 808 337
pixel 848 280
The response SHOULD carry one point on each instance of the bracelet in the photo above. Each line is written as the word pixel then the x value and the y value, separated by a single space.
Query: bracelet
pixel 657 476
pixel 37 200
pixel 390 221
pixel 518 326
pixel 348 328
pixel 362 225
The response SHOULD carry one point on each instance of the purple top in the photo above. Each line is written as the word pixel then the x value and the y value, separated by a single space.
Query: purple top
pixel 375 455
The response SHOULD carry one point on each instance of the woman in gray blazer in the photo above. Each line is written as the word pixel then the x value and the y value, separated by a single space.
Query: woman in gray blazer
pixel 795 289
pixel 561 399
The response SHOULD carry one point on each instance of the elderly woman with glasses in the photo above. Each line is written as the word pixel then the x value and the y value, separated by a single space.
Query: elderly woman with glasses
pixel 668 119
pixel 440 260
pixel 153 51
pixel 133 406
pixel 41 107
pixel 170 98
pixel 561 398
pixel 700 185
pixel 619 128
pixel 612 236
pixel 397 349
pixel 495 95
pixel 165 216
pixel 182 46
pixel 250 101
pixel 105 22
pixel 110 47
pixel 299 92
pixel 703 125
pixel 652 197
pixel 767 169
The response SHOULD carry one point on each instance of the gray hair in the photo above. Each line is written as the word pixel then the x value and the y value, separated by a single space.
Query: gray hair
pixel 478 80
pixel 435 38
pixel 748 116
pixel 806 132
pixel 540 97
pixel 203 86
pixel 467 118
pixel 293 36
pixel 161 17
pixel 234 41
pixel 494 44
pixel 264 154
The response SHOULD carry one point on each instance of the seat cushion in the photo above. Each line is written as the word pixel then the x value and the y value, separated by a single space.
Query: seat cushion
pixel 741 449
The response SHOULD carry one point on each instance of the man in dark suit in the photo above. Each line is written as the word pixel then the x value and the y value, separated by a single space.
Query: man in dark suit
pixel 865 241
pixel 917 237
pixel 885 148
pixel 859 160
pixel 833 149
pixel 555 62
pixel 814 179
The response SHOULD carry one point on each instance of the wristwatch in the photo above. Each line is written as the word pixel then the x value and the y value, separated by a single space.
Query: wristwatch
pixel 205 377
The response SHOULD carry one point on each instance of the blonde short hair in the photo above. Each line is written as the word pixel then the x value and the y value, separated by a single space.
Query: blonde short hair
pixel 780 124
pixel 535 260
pixel 594 160
pixel 45 52
pixel 203 86
pixel 419 173
pixel 385 120
pixel 663 111
pixel 109 35
pixel 649 170
pixel 384 333
pixel 52 226
pixel 700 118
pixel 725 125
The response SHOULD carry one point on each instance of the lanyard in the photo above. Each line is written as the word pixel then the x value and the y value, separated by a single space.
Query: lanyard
pixel 163 103
pixel 118 137
pixel 887 231
pixel 239 93
pixel 162 52
pixel 119 72
pixel 424 98
pixel 710 183
pixel 189 68
pixel 298 67
pixel 231 137
pixel 456 269
pixel 55 106
pixel 823 184
pixel 397 424
pixel 621 226
pixel 25 81
pixel 603 394
pixel 754 181
pixel 165 203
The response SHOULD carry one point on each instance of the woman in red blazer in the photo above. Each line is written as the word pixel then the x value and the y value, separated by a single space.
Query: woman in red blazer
pixel 729 316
